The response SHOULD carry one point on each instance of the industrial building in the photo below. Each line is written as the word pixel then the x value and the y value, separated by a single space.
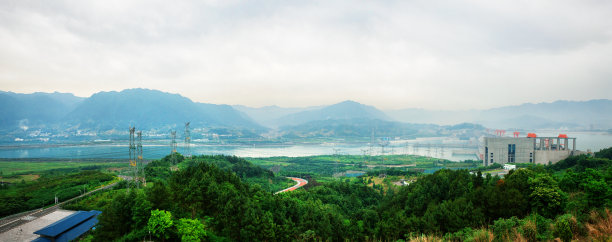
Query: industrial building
pixel 68 228
pixel 530 149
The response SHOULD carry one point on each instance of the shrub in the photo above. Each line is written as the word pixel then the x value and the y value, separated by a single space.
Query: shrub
pixel 529 230
pixel 600 226
pixel 563 229
pixel 503 228
pixel 481 235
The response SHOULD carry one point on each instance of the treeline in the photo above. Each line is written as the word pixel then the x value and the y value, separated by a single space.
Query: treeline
pixel 204 202
pixel 24 196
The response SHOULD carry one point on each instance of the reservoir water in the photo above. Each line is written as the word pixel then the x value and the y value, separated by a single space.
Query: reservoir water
pixel 438 147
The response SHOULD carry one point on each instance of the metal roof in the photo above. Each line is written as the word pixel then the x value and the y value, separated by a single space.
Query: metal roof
pixel 71 226
pixel 41 239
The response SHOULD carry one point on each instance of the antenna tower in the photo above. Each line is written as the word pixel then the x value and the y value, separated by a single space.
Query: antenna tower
pixel 187 140
pixel 173 135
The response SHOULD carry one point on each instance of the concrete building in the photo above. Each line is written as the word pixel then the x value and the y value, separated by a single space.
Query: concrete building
pixel 531 149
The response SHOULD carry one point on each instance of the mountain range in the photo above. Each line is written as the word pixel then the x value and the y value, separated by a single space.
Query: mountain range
pixel 147 109
pixel 584 115
pixel 152 109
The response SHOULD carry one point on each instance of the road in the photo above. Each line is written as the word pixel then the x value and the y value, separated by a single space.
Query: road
pixel 300 182
pixel 12 221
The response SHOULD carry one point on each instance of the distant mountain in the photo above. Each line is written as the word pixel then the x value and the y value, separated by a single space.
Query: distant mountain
pixel 595 114
pixel 146 109
pixel 149 109
pixel 269 115
pixel 339 111
pixel 34 110
pixel 364 128
pixel 572 114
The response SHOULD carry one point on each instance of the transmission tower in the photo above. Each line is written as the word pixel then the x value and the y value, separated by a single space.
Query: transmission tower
pixel 365 153
pixel 187 140
pixel 132 148
pixel 173 135
pixel 336 154
pixel 372 142
pixel 383 142
pixel 140 164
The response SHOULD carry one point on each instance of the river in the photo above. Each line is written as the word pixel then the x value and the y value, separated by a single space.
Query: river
pixel 438 147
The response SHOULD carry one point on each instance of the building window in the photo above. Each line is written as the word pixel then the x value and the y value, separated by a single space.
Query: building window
pixel 491 160
pixel 530 160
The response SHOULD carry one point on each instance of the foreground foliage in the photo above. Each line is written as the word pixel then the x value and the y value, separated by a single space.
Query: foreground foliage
pixel 202 201
pixel 41 192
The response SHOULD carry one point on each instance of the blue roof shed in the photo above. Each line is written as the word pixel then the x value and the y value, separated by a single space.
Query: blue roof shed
pixel 70 227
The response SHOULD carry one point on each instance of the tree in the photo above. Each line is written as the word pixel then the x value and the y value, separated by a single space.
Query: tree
pixel 158 196
pixel 160 223
pixel 113 220
pixel 604 153
pixel 191 229
pixel 546 197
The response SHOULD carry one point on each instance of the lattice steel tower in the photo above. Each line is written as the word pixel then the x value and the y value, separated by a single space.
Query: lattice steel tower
pixel 173 134
pixel 140 163
pixel 132 148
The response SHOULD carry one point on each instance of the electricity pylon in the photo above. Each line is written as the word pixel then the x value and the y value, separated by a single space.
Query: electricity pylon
pixel 187 140
pixel 173 134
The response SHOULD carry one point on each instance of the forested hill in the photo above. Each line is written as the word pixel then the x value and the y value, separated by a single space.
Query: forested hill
pixel 365 128
pixel 152 109
pixel 20 111
pixel 346 110
pixel 203 201
pixel 147 109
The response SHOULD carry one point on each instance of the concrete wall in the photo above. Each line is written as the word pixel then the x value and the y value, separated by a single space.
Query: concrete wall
pixel 498 147
pixel 544 156
pixel 525 150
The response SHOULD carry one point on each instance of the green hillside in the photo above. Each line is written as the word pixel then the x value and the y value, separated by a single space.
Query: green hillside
pixel 210 198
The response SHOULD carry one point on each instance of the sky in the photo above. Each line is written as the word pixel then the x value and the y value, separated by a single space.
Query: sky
pixel 450 55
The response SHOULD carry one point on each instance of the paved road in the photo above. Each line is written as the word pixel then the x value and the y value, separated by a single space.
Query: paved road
pixel 300 182
pixel 10 222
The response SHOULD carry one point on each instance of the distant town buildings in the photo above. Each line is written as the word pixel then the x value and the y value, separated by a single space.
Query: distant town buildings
pixel 530 149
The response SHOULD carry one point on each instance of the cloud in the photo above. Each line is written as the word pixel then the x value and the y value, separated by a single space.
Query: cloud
pixel 391 54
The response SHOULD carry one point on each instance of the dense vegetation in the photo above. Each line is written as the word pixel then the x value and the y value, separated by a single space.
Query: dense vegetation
pixel 202 201
pixel 325 166
pixel 24 196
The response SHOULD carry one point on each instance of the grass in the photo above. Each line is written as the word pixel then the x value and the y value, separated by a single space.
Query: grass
pixel 29 167
pixel 19 178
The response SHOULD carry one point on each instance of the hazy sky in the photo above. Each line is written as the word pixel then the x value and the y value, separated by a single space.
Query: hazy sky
pixel 390 54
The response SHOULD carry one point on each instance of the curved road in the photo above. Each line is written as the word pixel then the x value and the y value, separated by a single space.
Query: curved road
pixel 300 182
